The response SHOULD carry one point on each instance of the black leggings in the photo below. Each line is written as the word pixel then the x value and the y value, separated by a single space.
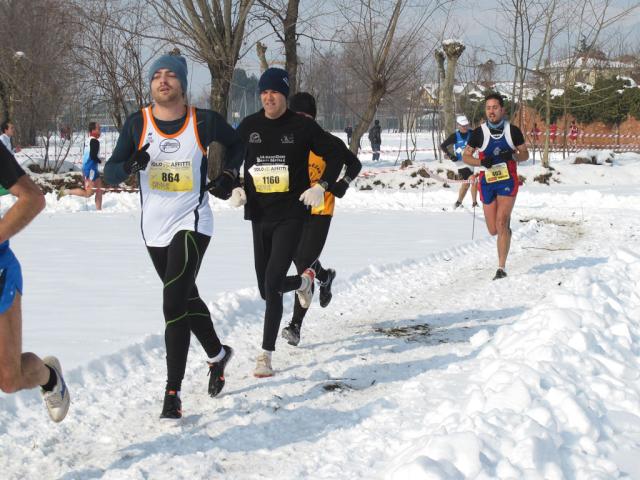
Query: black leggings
pixel 184 311
pixel 274 245
pixel 314 236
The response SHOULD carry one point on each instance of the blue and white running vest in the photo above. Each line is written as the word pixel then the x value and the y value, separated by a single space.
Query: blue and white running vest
pixel 461 143
pixel 493 144
pixel 172 187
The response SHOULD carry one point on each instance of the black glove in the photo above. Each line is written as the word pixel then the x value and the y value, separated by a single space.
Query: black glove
pixel 222 186
pixel 506 155
pixel 138 161
pixel 452 157
pixel 487 162
pixel 339 188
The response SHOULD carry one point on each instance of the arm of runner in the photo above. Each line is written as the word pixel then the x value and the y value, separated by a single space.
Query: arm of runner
pixel 475 142
pixel 216 129
pixel 114 172
pixel 444 146
pixel 30 200
pixel 94 148
pixel 521 153
pixel 353 169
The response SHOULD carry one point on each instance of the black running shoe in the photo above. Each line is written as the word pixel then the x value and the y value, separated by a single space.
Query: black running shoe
pixel 216 372
pixel 291 334
pixel 500 273
pixel 325 288
pixel 172 406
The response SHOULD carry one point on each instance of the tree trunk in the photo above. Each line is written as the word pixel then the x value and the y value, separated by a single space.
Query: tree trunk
pixel 221 76
pixel 291 44
pixel 375 96
pixel 452 50
pixel 261 50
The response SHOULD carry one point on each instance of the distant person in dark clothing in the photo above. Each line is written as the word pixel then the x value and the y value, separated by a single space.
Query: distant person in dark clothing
pixel 349 131
pixel 375 137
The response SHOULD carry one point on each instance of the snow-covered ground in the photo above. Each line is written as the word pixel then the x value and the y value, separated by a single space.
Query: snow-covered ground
pixel 420 368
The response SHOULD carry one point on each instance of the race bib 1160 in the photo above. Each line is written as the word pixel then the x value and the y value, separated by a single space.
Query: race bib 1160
pixel 270 178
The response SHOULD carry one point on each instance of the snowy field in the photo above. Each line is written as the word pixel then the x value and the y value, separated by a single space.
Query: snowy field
pixel 420 368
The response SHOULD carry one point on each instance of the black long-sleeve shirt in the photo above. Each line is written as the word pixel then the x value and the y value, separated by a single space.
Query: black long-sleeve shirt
pixel 94 149
pixel 276 167
pixel 211 127
pixel 450 140
pixel 352 164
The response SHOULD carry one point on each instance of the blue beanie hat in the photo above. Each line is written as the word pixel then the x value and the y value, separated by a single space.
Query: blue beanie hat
pixel 275 79
pixel 176 63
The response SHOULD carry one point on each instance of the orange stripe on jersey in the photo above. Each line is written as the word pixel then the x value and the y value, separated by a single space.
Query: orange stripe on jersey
pixel 195 130
pixel 144 126
pixel 173 135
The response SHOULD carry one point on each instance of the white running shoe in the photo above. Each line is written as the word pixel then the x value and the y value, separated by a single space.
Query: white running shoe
pixel 305 295
pixel 58 399
pixel 263 366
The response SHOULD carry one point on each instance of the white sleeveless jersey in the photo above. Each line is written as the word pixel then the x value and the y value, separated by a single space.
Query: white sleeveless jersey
pixel 172 187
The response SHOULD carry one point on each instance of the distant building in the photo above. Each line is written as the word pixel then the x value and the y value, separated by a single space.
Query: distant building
pixel 586 68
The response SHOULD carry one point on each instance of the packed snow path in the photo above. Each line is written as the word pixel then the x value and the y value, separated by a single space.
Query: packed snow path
pixel 425 369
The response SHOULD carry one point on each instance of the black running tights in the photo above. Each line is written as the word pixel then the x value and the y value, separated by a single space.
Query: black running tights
pixel 314 236
pixel 184 311
pixel 274 245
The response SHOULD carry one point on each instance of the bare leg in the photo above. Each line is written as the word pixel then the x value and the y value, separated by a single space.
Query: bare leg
pixel 98 184
pixel 462 192
pixel 503 220
pixel 18 370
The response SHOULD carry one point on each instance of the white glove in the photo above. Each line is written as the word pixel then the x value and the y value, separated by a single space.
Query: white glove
pixel 312 197
pixel 238 197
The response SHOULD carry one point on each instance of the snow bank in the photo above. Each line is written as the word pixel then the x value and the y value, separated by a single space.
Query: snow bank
pixel 553 395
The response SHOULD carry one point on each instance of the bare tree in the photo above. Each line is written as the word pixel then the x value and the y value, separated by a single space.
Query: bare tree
pixel 282 15
pixel 381 48
pixel 453 50
pixel 37 74
pixel 109 50
pixel 212 32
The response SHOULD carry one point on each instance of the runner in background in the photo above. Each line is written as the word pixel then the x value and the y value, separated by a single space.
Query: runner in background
pixel 500 145
pixel 458 140
pixel 90 172
pixel 316 228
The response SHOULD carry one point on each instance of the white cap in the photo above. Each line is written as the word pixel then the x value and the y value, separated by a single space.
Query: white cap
pixel 462 120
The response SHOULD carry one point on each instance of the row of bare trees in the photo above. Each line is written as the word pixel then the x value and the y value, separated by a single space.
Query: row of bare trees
pixel 79 56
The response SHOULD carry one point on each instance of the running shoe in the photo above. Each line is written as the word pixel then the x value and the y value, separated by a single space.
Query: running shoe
pixel 305 295
pixel 325 288
pixel 291 334
pixel 216 372
pixel 263 366
pixel 457 204
pixel 172 406
pixel 500 273
pixel 58 399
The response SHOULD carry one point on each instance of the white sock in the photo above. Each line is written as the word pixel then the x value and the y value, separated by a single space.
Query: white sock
pixel 219 356
pixel 304 283
pixel 268 353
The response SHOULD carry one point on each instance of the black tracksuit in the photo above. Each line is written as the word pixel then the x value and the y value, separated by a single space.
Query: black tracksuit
pixel 276 173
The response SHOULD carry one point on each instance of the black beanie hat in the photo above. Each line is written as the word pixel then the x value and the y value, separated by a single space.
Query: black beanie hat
pixel 275 79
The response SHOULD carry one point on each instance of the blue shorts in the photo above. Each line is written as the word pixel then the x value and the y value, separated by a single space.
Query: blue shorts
pixel 10 279
pixel 90 171
pixel 504 188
